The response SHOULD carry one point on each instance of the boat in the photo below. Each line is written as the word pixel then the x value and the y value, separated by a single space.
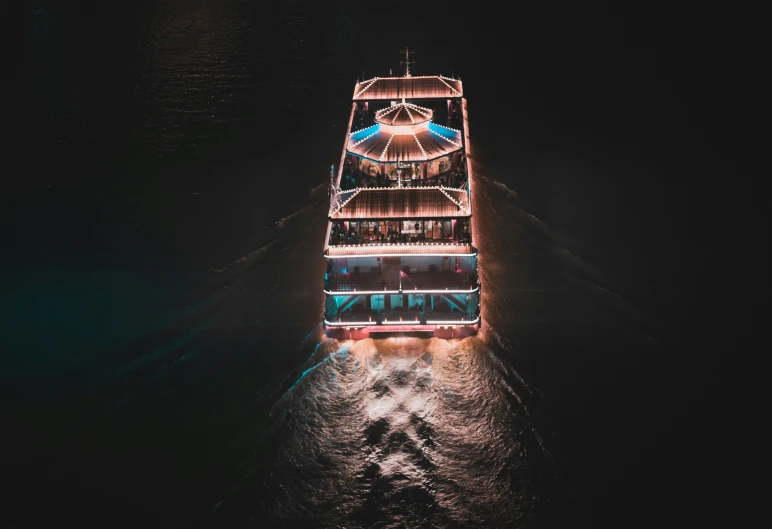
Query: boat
pixel 399 249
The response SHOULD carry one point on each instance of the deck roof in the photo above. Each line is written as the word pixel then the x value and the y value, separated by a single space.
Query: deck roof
pixel 401 202
pixel 395 88
pixel 403 114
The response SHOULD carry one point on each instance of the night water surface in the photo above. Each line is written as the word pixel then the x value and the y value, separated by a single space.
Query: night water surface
pixel 163 358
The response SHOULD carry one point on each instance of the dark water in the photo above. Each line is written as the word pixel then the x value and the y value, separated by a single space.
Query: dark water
pixel 163 363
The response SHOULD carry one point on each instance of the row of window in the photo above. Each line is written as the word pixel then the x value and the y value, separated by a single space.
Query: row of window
pixel 354 232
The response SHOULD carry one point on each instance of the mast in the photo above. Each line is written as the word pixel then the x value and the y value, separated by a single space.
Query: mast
pixel 407 62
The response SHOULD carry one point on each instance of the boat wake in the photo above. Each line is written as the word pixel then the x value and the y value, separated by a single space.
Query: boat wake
pixel 402 430
pixel 414 432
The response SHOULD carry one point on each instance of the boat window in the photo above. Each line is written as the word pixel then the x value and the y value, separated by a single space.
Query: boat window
pixel 376 302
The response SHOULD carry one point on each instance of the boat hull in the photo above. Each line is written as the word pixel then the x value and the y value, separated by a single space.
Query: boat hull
pixel 353 332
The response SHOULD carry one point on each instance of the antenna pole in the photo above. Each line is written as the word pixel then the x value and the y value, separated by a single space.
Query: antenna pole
pixel 407 62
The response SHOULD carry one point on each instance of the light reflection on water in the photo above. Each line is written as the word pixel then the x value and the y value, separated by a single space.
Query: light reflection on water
pixel 402 430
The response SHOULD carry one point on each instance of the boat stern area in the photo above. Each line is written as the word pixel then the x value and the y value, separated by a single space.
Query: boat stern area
pixel 438 294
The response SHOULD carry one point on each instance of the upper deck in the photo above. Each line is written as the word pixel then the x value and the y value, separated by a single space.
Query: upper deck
pixel 403 179
pixel 397 143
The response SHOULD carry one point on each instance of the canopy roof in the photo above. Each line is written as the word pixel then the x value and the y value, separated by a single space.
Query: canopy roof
pixel 390 144
pixel 403 114
pixel 396 88
pixel 402 202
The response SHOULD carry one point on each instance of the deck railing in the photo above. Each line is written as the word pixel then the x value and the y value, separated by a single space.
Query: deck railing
pixel 417 248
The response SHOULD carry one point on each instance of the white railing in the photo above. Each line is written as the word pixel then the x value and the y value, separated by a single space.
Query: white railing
pixel 418 248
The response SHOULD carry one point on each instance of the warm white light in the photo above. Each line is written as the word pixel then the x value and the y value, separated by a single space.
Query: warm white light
pixel 431 254
pixel 422 291
pixel 440 322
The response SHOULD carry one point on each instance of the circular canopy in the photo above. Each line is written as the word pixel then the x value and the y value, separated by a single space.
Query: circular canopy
pixel 403 114
pixel 406 143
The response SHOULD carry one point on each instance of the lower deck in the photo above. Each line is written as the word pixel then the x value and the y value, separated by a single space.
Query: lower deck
pixel 411 290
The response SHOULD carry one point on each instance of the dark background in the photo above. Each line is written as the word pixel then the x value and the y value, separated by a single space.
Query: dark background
pixel 163 139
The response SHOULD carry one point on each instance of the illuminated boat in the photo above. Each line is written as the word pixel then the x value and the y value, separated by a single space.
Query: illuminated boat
pixel 399 249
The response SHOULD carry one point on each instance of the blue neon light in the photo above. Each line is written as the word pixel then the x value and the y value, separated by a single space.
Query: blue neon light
pixel 358 135
pixel 443 131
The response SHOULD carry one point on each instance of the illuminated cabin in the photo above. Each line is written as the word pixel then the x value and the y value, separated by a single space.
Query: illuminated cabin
pixel 400 250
